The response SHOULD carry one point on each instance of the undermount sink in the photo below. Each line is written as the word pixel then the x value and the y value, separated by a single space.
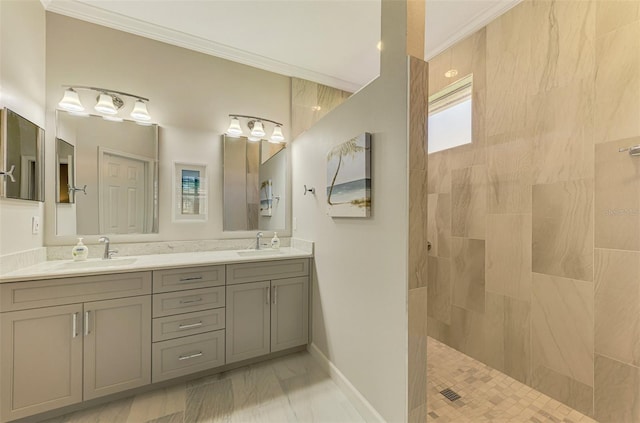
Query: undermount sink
pixel 88 264
pixel 254 253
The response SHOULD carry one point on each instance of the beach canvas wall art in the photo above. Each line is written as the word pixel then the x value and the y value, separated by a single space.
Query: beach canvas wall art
pixel 349 178
pixel 266 197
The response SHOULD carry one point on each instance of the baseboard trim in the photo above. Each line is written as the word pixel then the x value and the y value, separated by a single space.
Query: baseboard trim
pixel 364 407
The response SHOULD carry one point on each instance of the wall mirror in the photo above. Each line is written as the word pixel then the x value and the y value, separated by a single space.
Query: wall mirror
pixel 65 172
pixel 255 185
pixel 115 183
pixel 22 150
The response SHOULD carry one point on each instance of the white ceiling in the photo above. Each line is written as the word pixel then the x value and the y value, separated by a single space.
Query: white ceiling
pixel 332 42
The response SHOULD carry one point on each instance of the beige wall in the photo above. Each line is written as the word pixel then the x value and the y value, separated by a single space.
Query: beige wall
pixel 536 225
pixel 22 82
pixel 191 95
pixel 360 279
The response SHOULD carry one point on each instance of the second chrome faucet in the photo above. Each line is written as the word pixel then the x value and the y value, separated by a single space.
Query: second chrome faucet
pixel 108 252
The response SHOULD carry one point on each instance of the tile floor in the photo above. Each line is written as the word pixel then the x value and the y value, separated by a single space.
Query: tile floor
pixel 295 389
pixel 287 389
pixel 487 395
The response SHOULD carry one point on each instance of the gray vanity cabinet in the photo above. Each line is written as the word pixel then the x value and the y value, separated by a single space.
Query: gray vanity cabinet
pixel 117 345
pixel 266 316
pixel 248 320
pixel 72 339
pixel 289 313
pixel 40 360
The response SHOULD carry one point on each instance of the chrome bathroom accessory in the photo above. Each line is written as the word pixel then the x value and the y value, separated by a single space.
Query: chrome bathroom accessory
pixel 633 151
pixel 9 173
pixel 311 190
pixel 108 253
pixel 76 189
pixel 258 237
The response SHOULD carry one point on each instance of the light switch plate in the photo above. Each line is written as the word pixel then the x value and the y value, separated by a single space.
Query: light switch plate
pixel 35 225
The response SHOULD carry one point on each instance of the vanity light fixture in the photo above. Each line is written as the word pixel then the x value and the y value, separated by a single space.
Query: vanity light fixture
pixel 109 103
pixel 256 128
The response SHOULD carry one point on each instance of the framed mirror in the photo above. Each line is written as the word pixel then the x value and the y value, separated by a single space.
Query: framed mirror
pixel 22 150
pixel 256 185
pixel 65 172
pixel 116 163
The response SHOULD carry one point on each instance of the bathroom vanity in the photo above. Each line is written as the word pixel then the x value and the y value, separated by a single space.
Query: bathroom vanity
pixel 76 331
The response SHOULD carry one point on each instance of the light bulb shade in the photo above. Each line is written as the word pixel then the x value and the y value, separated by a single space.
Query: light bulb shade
pixel 140 112
pixel 71 101
pixel 277 135
pixel 105 105
pixel 258 130
pixel 234 129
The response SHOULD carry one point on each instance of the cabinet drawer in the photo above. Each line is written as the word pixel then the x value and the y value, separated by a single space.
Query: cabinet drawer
pixel 266 270
pixel 183 356
pixel 52 292
pixel 171 303
pixel 191 278
pixel 171 327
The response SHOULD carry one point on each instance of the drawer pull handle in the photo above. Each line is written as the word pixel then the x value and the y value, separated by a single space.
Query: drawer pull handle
pixel 75 325
pixel 190 356
pixel 197 300
pixel 86 323
pixel 193 325
pixel 191 279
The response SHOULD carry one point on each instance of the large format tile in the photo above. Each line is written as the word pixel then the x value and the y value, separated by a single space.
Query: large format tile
pixel 617 196
pixel 564 49
pixel 563 229
pixel 467 273
pixel 418 225
pixel 440 290
pixel 158 403
pixel 517 339
pixel 618 84
pixel 508 255
pixel 439 224
pixel 509 177
pixel 468 202
pixel 617 305
pixel 613 14
pixel 508 66
pixel 417 351
pixel 210 402
pixel 617 389
pixel 439 175
pixel 561 324
pixel 563 388
pixel 562 132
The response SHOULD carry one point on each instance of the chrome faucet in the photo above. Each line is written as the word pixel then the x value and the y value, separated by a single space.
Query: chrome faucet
pixel 108 253
pixel 258 236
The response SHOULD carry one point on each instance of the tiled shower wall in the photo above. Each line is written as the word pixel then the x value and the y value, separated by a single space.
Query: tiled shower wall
pixel 535 226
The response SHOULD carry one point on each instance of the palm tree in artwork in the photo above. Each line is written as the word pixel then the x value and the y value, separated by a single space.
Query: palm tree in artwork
pixel 349 148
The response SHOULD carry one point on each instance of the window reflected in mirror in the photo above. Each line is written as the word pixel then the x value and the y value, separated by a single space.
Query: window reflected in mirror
pixel 190 192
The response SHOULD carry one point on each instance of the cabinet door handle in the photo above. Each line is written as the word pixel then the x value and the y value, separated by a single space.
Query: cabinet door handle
pixel 191 279
pixel 193 325
pixel 190 356
pixel 75 325
pixel 268 295
pixel 275 295
pixel 197 300
pixel 86 323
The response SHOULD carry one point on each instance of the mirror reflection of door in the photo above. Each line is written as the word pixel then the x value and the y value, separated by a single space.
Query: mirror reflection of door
pixel 123 198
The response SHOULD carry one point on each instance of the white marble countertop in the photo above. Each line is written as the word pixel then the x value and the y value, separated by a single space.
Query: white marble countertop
pixel 64 268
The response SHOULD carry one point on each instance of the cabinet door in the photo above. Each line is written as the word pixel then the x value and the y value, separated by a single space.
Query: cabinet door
pixel 289 313
pixel 247 322
pixel 117 345
pixel 40 360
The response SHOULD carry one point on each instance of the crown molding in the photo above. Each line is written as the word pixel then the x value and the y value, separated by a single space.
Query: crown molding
pixel 472 25
pixel 96 15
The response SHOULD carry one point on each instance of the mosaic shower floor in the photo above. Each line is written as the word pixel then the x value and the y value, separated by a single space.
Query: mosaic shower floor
pixel 486 395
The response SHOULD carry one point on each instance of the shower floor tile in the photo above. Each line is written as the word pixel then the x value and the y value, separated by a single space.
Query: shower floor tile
pixel 487 395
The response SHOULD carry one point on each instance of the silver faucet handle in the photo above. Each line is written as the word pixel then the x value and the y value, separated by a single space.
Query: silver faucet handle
pixel 112 252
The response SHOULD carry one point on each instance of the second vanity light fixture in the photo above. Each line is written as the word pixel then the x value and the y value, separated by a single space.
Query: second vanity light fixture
pixel 256 128
pixel 109 102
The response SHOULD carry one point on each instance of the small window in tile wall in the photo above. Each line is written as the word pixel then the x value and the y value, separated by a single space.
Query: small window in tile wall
pixel 450 116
